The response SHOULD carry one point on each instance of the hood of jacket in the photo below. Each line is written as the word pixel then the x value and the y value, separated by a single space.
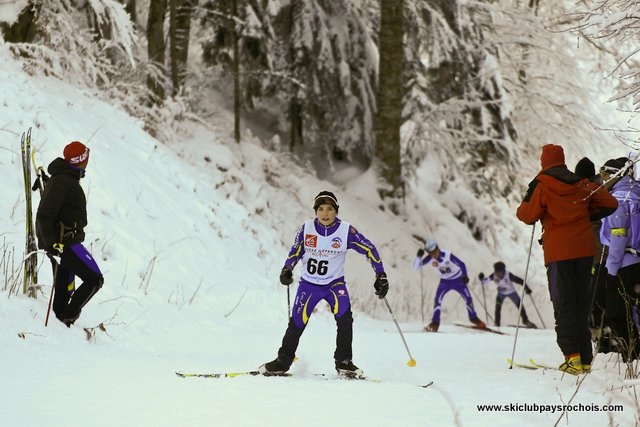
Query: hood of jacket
pixel 60 167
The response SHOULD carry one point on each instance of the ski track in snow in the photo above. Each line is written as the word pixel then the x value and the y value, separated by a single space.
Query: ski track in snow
pixel 167 212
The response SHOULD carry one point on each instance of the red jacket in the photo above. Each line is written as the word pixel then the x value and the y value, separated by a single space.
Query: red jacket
pixel 566 205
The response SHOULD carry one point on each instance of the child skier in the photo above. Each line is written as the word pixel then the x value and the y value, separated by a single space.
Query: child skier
pixel 505 280
pixel 453 277
pixel 321 244
pixel 60 222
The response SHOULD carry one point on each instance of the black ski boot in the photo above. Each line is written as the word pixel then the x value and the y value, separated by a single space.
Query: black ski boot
pixel 347 369
pixel 529 324
pixel 273 368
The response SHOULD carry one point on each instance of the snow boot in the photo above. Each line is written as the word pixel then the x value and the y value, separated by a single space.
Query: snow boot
pixel 529 324
pixel 273 368
pixel 572 364
pixel 347 369
pixel 432 327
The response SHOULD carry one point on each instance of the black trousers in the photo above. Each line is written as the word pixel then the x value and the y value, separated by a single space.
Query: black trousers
pixel 344 338
pixel 569 290
pixel 622 294
pixel 68 301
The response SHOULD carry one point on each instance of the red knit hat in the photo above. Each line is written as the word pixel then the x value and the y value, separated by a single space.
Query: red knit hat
pixel 76 153
pixel 552 155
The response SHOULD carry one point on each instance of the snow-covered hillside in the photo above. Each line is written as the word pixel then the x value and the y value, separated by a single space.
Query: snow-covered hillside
pixel 185 232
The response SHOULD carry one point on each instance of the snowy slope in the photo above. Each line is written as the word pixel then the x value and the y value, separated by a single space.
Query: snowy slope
pixel 181 239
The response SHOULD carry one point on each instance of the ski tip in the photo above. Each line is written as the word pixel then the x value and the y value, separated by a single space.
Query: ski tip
pixel 180 374
pixel 429 384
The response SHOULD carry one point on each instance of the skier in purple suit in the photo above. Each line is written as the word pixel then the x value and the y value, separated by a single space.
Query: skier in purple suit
pixel 321 244
pixel 453 277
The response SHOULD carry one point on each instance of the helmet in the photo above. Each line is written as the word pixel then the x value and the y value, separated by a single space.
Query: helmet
pixel 430 245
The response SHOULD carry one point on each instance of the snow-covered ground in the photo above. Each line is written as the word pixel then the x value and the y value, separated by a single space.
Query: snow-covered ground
pixel 186 231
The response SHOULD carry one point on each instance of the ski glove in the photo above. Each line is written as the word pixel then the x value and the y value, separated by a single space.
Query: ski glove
pixel 381 285
pixel 286 276
pixel 420 253
pixel 56 249
pixel 465 279
pixel 481 276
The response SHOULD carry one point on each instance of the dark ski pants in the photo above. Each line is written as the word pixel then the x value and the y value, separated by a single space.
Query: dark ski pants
pixel 68 301
pixel 569 290
pixel 513 296
pixel 307 297
pixel 623 292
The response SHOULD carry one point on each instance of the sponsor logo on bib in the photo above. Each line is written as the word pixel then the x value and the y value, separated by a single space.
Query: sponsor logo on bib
pixel 434 263
pixel 336 242
pixel 311 240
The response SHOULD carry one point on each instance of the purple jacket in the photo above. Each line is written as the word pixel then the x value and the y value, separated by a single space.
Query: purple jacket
pixel 418 263
pixel 355 241
pixel 621 229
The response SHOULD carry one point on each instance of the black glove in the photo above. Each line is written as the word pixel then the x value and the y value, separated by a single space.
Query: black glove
pixel 36 183
pixel 55 249
pixel 381 285
pixel 420 253
pixel 286 276
pixel 465 279
pixel 527 290
pixel 481 276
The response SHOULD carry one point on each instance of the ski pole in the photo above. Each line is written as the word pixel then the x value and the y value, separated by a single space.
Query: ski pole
pixel 484 300
pixel 421 296
pixel 534 306
pixel 596 280
pixel 289 301
pixel 412 361
pixel 526 273
pixel 53 288
pixel 486 312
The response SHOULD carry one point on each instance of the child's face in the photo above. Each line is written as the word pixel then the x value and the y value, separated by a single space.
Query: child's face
pixel 326 214
pixel 434 253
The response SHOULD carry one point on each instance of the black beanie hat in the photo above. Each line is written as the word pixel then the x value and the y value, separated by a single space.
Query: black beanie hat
pixel 613 166
pixel 499 266
pixel 585 168
pixel 325 198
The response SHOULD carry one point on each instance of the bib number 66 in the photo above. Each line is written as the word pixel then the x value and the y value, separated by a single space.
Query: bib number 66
pixel 317 267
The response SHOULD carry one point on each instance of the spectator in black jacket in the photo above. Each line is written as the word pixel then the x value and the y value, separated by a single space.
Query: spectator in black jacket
pixel 60 222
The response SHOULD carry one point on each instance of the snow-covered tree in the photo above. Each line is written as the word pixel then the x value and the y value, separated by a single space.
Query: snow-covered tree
pixel 613 26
